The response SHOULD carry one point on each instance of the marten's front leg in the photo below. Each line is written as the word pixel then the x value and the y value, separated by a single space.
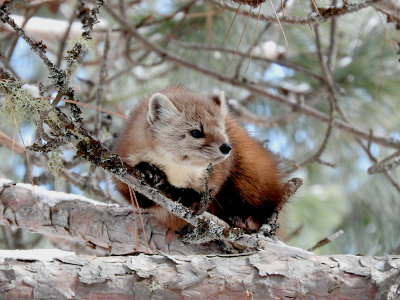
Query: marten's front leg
pixel 157 179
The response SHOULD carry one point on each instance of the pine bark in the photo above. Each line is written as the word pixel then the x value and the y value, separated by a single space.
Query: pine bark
pixel 263 275
pixel 171 272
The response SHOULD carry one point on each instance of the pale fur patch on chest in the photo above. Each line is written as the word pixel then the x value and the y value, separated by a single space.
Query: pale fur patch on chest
pixel 178 175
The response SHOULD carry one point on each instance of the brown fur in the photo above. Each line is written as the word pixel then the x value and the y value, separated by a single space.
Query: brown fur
pixel 246 185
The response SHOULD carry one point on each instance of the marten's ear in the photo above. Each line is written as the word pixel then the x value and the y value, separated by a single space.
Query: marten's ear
pixel 160 107
pixel 221 102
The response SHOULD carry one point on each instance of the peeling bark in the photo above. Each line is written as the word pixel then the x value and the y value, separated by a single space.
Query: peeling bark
pixel 261 275
pixel 277 272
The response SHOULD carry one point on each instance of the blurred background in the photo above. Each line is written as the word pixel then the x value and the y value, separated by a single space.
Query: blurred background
pixel 316 82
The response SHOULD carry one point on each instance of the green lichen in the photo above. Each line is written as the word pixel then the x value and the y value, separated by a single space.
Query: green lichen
pixel 85 44
pixel 55 163
pixel 76 49
pixel 76 133
pixel 21 106
pixel 153 287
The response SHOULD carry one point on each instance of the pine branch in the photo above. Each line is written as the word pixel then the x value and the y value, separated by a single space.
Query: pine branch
pixel 276 273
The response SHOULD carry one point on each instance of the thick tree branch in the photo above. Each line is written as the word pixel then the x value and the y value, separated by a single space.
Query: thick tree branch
pixel 267 274
pixel 79 219
pixel 76 218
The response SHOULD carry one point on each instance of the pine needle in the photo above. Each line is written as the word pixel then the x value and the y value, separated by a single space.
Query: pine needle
pixel 87 106
pixel 141 220
pixel 254 38
pixel 316 7
pixel 280 25
pixel 240 41
pixel 230 27
pixel 134 216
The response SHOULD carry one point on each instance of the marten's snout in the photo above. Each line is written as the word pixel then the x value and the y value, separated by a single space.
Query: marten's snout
pixel 225 149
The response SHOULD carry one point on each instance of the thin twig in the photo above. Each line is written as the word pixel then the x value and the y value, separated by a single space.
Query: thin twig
pixel 100 86
pixel 64 38
pixel 260 121
pixel 294 232
pixel 322 147
pixel 386 164
pixel 333 42
pixel 27 16
pixel 327 240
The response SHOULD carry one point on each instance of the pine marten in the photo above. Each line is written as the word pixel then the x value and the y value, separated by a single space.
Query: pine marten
pixel 181 133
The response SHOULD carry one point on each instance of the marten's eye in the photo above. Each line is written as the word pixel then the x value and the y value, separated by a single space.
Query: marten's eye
pixel 196 133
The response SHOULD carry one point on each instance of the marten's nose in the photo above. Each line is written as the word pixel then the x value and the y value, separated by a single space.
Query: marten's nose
pixel 225 148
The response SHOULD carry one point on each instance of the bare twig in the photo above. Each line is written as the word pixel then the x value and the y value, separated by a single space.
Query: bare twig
pixel 63 41
pixel 333 42
pixel 327 240
pixel 386 164
pixel 322 147
pixel 260 121
pixel 100 86
pixel 291 187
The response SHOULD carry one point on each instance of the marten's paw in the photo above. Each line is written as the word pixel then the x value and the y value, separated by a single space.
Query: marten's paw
pixel 250 224
pixel 157 179
pixel 151 174
pixel 253 225
pixel 187 197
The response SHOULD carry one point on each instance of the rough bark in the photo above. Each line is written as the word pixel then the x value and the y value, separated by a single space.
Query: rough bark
pixel 108 228
pixel 279 271
pixel 263 275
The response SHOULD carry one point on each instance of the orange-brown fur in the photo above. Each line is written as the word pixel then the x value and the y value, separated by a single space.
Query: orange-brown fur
pixel 246 185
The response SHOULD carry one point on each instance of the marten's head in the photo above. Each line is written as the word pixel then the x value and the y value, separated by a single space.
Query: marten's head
pixel 187 128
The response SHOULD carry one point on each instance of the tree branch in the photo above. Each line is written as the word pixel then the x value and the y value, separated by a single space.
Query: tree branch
pixel 106 227
pixel 324 14
pixel 265 274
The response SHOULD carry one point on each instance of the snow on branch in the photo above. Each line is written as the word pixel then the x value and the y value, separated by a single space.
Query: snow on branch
pixel 76 218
